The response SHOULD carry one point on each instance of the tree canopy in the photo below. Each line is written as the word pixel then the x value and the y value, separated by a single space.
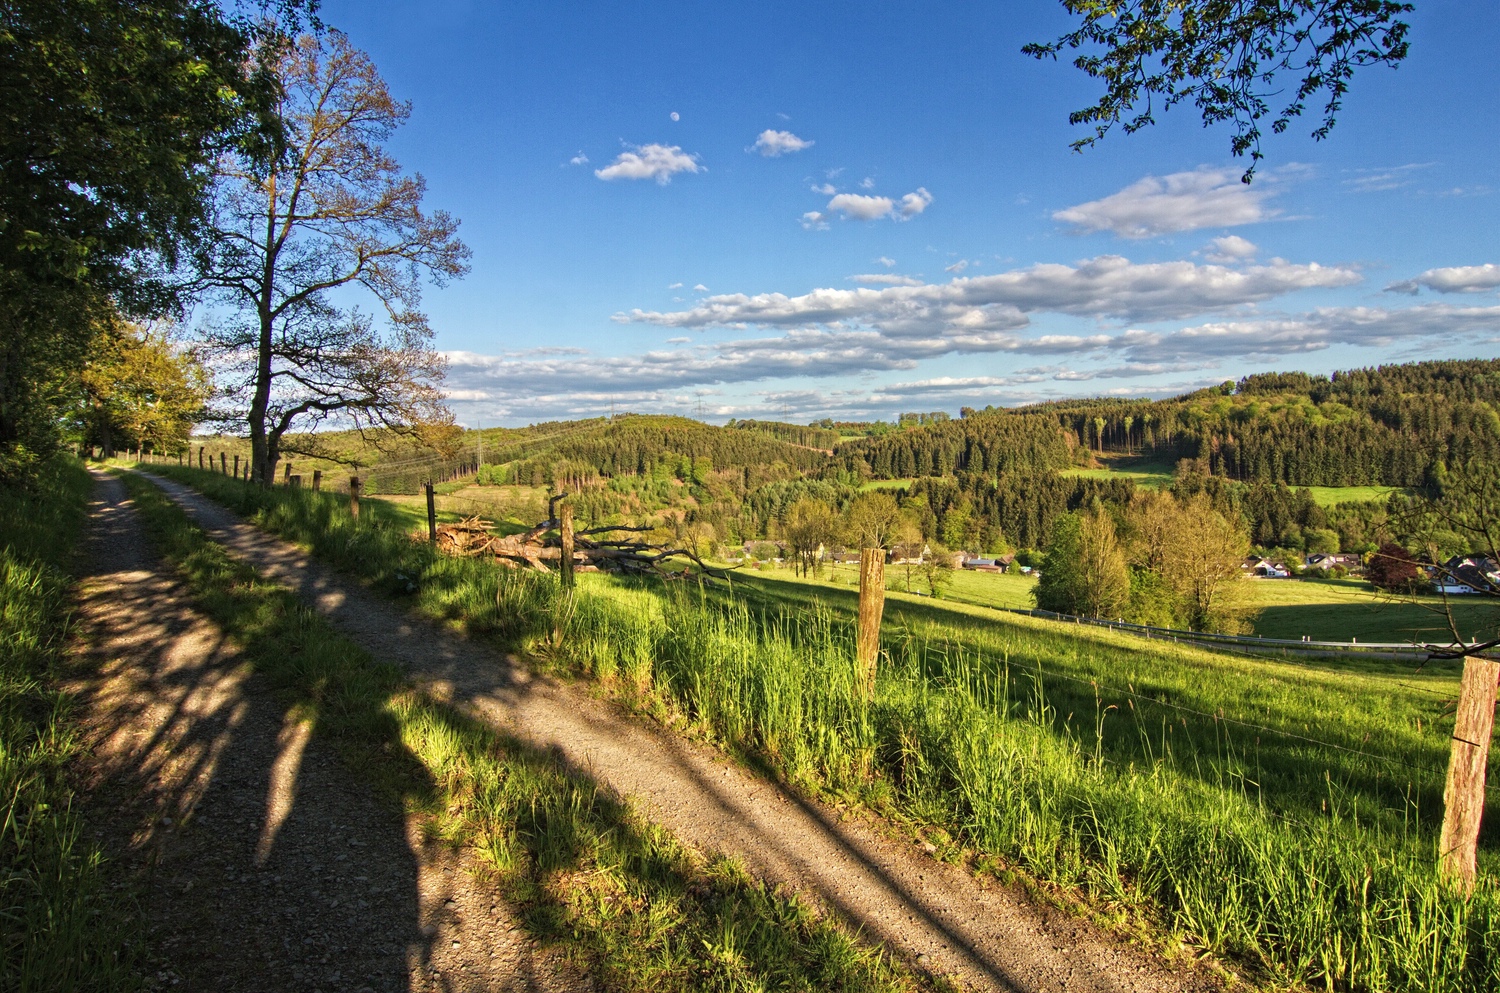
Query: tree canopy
pixel 1226 57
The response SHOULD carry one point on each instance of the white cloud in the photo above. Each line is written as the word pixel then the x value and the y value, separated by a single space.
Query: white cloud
pixel 868 183
pixel 885 279
pixel 827 189
pixel 1183 201
pixel 700 288
pixel 861 207
pixel 1107 286
pixel 832 173
pixel 675 116
pixel 679 341
pixel 772 144
pixel 658 162
pixel 674 286
pixel 579 159
pixel 914 203
pixel 1310 332
pixel 1381 179
pixel 1453 279
pixel 815 221
pixel 958 266
pixel 1231 248
pixel 886 261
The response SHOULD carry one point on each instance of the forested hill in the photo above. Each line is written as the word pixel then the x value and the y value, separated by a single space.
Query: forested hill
pixel 1387 425
pixel 635 445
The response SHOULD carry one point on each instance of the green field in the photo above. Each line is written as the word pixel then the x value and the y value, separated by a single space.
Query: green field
pixel 886 484
pixel 1151 475
pixel 1282 815
pixel 1328 496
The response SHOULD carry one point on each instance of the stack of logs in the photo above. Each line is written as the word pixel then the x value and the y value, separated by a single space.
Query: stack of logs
pixel 595 549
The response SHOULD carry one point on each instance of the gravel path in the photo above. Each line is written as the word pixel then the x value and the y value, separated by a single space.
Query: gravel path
pixel 261 863
pixel 939 916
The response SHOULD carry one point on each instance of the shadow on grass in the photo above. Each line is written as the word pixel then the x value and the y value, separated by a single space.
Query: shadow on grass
pixel 619 894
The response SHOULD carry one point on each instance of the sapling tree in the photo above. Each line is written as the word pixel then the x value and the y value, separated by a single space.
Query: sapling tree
pixel 296 233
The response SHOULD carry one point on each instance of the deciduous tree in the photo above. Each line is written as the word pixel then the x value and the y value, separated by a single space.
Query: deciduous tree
pixel 333 212
pixel 142 388
pixel 1084 571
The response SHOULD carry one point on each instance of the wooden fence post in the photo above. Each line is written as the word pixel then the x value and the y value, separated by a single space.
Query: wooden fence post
pixel 565 563
pixel 354 497
pixel 431 515
pixel 236 467
pixel 1463 799
pixel 317 480
pixel 200 456
pixel 286 477
pixel 223 463
pixel 871 607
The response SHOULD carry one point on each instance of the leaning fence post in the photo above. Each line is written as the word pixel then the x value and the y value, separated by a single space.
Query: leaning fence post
pixel 431 514
pixel 565 563
pixel 354 497
pixel 1463 798
pixel 871 607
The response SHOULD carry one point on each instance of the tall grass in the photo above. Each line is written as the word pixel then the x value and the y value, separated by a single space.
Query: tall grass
pixel 59 928
pixel 1247 806
pixel 619 894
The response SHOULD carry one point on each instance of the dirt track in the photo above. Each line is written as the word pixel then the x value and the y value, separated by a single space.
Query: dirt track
pixel 261 867
pixel 988 936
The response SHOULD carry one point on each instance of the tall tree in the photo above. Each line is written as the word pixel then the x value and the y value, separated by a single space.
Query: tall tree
pixel 1227 57
pixel 111 115
pixel 334 210
pixel 1084 571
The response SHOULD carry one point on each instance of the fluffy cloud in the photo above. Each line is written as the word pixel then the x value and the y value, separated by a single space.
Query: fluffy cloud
pixel 868 183
pixel 772 144
pixel 1107 286
pixel 699 288
pixel 815 220
pixel 861 207
pixel 579 159
pixel 958 266
pixel 1454 279
pixel 1230 248
pixel 886 261
pixel 914 203
pixel 1183 201
pixel 658 162
pixel 827 189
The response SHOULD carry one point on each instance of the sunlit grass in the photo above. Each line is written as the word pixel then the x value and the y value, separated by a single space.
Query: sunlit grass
pixel 620 894
pixel 1282 815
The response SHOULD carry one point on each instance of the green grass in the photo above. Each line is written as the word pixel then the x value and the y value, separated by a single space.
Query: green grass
pixel 1327 496
pixel 1341 609
pixel 63 929
pixel 1155 476
pixel 886 484
pixel 619 894
pixel 1281 815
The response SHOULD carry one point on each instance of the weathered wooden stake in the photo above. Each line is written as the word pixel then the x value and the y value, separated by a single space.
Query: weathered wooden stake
pixel 223 463
pixel 287 476
pixel 354 497
pixel 200 456
pixel 236 467
pixel 431 515
pixel 871 607
pixel 565 563
pixel 1463 799
pixel 317 480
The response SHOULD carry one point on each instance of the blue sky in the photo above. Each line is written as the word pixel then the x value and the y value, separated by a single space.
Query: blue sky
pixel 851 210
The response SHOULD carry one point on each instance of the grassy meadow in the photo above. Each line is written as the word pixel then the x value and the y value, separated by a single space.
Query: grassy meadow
pixel 1282 816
